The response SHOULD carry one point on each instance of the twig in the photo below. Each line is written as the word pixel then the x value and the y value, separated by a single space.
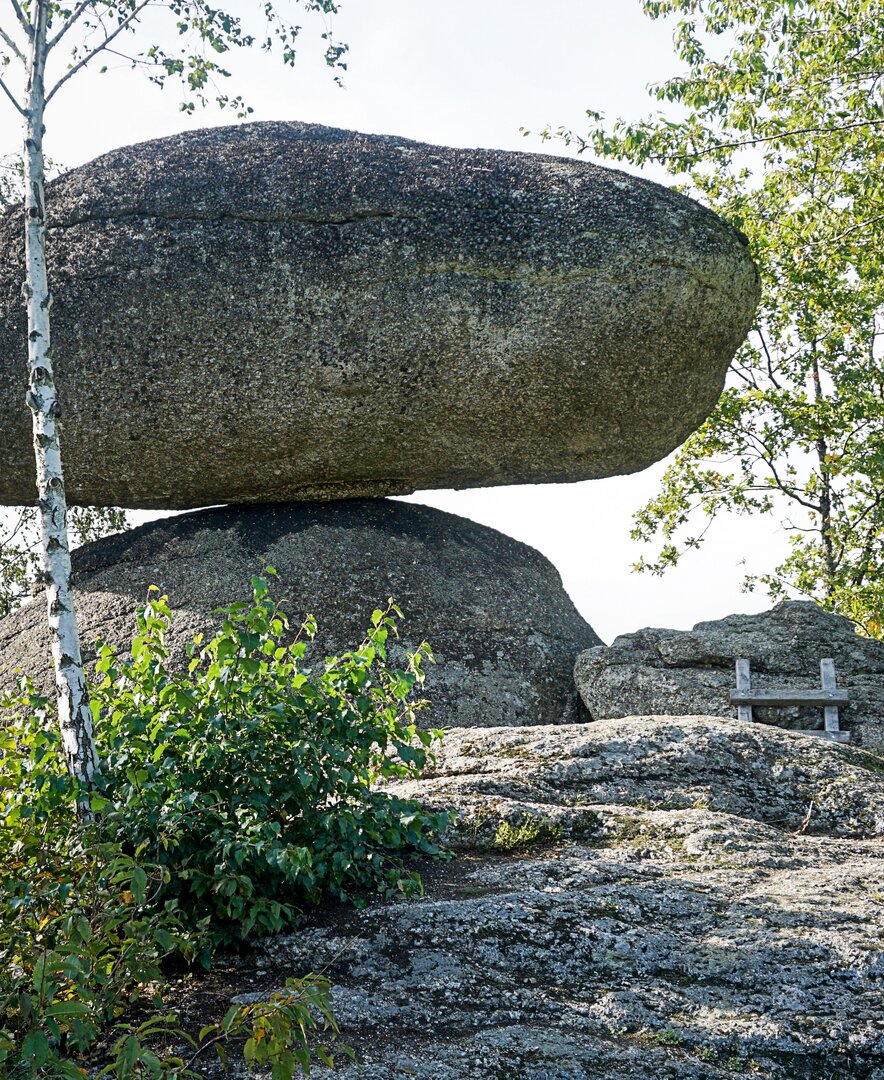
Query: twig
pixel 806 821
pixel 99 48
pixel 83 6
pixel 793 133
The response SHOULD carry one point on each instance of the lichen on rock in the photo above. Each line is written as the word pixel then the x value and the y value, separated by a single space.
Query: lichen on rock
pixel 279 311
pixel 504 630
pixel 705 900
pixel 692 672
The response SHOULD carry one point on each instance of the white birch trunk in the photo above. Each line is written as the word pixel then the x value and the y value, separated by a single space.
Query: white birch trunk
pixel 74 712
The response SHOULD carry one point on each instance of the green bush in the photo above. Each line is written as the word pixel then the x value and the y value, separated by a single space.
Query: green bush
pixel 78 940
pixel 252 777
pixel 228 795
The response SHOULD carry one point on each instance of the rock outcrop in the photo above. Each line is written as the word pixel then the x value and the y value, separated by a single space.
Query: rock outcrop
pixel 676 898
pixel 692 672
pixel 280 311
pixel 503 629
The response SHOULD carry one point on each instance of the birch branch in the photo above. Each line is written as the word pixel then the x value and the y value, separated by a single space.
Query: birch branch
pixel 131 17
pixel 11 97
pixel 83 6
pixel 20 15
pixel 11 45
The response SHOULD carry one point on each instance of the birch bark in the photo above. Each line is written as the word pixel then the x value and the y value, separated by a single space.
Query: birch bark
pixel 74 712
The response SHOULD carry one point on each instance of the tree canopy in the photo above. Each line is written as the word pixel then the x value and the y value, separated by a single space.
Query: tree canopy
pixel 777 122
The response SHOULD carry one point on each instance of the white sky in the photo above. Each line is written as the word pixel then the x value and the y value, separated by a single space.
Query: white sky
pixel 471 73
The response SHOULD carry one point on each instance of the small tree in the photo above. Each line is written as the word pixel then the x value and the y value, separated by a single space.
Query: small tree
pixel 49 42
pixel 19 535
pixel 777 122
pixel 20 545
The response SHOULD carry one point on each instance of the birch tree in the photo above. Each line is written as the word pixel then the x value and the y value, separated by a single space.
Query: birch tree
pixel 44 44
pixel 19 536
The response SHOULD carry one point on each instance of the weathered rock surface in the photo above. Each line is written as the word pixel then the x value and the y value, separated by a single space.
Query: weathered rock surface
pixel 748 771
pixel 692 672
pixel 678 898
pixel 282 311
pixel 503 629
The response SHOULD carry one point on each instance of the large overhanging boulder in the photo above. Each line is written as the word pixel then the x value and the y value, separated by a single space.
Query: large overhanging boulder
pixel 692 672
pixel 503 629
pixel 283 311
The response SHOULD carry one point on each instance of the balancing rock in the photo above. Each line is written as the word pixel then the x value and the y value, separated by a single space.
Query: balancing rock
pixel 281 311
pixel 503 629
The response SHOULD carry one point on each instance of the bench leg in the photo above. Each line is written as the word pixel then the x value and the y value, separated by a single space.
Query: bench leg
pixel 744 684
pixel 830 712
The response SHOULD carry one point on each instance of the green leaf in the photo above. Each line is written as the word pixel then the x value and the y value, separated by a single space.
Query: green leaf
pixel 67 1008
pixel 35 1049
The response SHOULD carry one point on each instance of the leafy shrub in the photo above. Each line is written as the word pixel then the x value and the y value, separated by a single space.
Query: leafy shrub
pixel 514 836
pixel 77 938
pixel 227 795
pixel 83 937
pixel 252 777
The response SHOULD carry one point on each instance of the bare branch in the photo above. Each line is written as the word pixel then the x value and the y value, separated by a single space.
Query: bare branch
pixel 870 509
pixel 11 45
pixel 11 96
pixel 84 5
pixel 769 359
pixel 135 61
pixel 847 232
pixel 748 379
pixel 793 133
pixel 766 455
pixel 22 18
pixel 130 18
pixel 16 529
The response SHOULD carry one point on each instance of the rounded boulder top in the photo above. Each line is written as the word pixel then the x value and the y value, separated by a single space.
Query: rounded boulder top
pixel 502 627
pixel 281 311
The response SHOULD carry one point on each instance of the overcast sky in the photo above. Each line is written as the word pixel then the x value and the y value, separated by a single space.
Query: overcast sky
pixel 472 73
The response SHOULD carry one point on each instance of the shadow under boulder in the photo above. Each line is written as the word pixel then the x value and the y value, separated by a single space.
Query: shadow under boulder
pixel 503 629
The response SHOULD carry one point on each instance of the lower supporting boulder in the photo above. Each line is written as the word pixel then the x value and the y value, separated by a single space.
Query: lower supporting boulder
pixel 503 629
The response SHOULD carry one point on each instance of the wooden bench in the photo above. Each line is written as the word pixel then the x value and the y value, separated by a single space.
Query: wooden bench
pixel 828 697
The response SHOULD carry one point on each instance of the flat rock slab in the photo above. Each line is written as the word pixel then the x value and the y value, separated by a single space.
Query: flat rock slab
pixel 282 311
pixel 504 631
pixel 692 672
pixel 637 936
pixel 753 772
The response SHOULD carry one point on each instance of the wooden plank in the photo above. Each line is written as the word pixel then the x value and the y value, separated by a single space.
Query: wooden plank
pixel 820 733
pixel 744 684
pixel 828 696
pixel 830 712
pixel 789 697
